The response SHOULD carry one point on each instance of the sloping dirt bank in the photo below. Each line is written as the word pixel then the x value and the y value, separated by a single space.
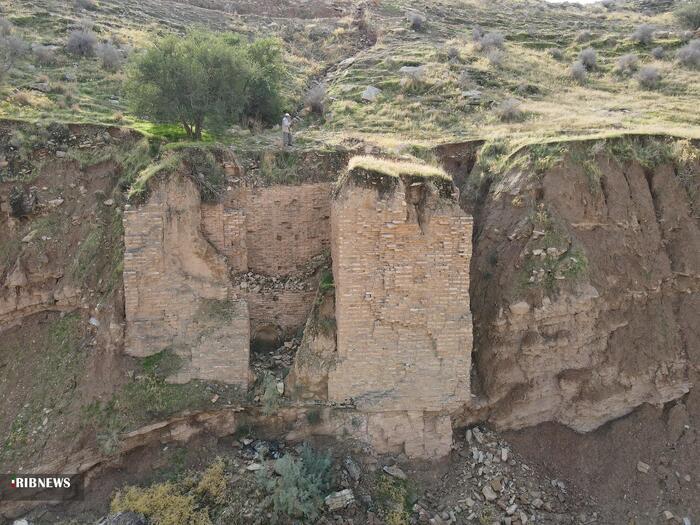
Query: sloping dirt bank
pixel 586 301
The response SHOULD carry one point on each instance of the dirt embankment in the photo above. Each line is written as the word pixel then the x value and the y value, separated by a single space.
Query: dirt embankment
pixel 61 298
pixel 586 296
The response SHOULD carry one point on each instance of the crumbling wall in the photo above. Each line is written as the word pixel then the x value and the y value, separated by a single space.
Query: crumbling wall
pixel 270 230
pixel 585 284
pixel 273 231
pixel 402 300
pixel 172 277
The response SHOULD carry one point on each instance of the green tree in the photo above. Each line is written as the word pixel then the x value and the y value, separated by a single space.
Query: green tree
pixel 207 79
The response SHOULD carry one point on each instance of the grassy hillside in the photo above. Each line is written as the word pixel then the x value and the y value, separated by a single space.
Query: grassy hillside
pixel 455 87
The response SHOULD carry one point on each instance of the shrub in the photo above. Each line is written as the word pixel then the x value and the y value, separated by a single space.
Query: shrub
pixel 163 503
pixel 205 171
pixel 315 99
pixel 271 399
pixel 109 56
pixel 627 64
pixel 495 57
pixel 207 78
pixel 44 55
pixel 690 55
pixel 417 21
pixel 16 47
pixel 556 53
pixel 213 484
pixel 81 43
pixel 300 486
pixel 688 14
pixel 587 57
pixel 644 34
pixel 649 77
pixel 509 110
pixel 658 53
pixel 452 53
pixel 584 36
pixel 579 72
pixel 493 40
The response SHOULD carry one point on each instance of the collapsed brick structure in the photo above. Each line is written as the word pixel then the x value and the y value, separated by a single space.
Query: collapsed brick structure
pixel 401 251
pixel 173 281
pixel 180 254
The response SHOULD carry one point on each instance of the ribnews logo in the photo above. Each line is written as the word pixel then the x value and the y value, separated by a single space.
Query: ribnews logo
pixel 41 487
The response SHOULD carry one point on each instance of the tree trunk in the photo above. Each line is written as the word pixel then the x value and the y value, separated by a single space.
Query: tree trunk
pixel 188 129
pixel 198 129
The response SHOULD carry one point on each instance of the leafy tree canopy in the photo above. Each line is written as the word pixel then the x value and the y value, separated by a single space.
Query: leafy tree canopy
pixel 207 78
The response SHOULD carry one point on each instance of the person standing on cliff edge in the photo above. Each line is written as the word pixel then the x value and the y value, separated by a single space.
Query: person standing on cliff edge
pixel 287 130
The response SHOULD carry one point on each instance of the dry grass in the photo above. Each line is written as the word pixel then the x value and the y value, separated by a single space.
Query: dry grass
pixel 393 168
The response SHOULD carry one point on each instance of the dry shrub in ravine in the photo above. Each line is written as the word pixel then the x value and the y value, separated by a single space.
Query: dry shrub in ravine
pixel 81 43
pixel 689 55
pixel 44 55
pixel 588 58
pixel 579 72
pixel 315 99
pixel 110 57
pixel 644 34
pixel 627 64
pixel 417 21
pixel 649 77
pixel 509 110
pixel 688 14
pixel 658 53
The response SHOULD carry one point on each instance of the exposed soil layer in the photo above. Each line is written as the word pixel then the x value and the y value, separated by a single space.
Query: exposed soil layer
pixel 586 283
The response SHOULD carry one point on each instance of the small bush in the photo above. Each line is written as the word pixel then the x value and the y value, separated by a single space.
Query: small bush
pixel 163 503
pixel 644 34
pixel 298 489
pixel 417 21
pixel 658 53
pixel 649 77
pixel 109 56
pixel 452 53
pixel 489 41
pixel 509 110
pixel 556 53
pixel 315 99
pixel 579 72
pixel 44 55
pixel 588 58
pixel 689 55
pixel 271 398
pixel 81 43
pixel 584 36
pixel 15 46
pixel 627 64
pixel 495 57
pixel 213 485
pixel 688 14
pixel 25 97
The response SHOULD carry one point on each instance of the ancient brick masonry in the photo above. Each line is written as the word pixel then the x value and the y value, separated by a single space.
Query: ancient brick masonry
pixel 272 231
pixel 402 313
pixel 172 278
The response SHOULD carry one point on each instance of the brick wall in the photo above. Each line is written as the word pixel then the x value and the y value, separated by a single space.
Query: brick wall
pixel 402 302
pixel 170 273
pixel 270 230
